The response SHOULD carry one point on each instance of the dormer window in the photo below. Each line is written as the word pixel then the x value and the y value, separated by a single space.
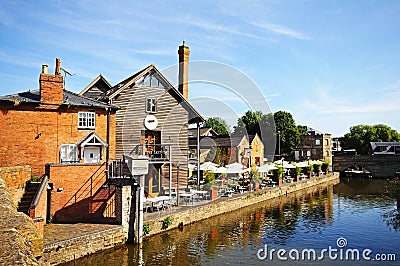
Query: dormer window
pixel 86 120
pixel 151 105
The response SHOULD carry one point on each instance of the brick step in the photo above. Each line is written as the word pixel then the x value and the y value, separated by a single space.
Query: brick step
pixel 29 194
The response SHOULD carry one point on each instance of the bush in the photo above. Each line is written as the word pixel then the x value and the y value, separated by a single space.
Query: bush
pixel 146 229
pixel 278 173
pixel 325 166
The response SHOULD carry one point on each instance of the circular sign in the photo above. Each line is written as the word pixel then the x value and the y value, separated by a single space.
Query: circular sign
pixel 150 122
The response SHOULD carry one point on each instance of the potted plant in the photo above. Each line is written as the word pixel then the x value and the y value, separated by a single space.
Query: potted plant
pixel 209 180
pixel 278 175
pixel 317 169
pixel 255 177
pixel 295 173
pixel 325 167
pixel 309 170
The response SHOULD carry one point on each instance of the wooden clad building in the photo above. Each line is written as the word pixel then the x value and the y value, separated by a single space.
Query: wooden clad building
pixel 153 121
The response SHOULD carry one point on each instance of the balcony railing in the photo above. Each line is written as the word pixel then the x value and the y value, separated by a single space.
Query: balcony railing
pixel 155 152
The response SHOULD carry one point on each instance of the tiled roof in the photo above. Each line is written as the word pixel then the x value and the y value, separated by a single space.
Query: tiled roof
pixel 69 98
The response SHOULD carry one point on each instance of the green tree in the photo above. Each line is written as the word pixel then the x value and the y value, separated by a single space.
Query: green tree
pixel 360 136
pixel 287 132
pixel 218 124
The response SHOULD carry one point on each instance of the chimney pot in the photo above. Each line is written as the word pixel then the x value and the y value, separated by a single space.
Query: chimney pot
pixel 45 69
pixel 58 67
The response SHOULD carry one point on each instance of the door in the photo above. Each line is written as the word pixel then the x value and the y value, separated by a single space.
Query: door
pixel 91 155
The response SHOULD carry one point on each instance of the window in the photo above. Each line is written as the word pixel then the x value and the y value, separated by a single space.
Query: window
pixel 308 153
pixel 317 142
pixel 68 153
pixel 327 142
pixel 151 105
pixel 87 120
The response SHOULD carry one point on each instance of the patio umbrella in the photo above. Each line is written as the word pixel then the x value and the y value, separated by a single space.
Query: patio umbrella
pixel 235 168
pixel 266 168
pixel 191 166
pixel 288 165
pixel 208 166
pixel 220 170
pixel 302 164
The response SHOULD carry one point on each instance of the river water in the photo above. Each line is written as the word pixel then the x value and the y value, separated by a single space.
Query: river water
pixel 348 224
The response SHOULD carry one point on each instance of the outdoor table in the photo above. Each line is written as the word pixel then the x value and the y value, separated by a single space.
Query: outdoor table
pixel 187 197
pixel 157 199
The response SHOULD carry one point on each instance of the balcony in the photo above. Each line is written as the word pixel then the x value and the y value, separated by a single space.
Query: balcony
pixel 155 152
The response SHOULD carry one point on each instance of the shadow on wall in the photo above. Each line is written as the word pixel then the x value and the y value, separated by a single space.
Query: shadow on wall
pixel 100 208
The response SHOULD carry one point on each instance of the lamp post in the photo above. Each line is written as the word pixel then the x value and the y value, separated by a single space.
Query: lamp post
pixel 279 144
pixel 178 164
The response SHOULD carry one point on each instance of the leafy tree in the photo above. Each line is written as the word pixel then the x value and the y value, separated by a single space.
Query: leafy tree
pixel 287 132
pixel 360 136
pixel 218 124
pixel 252 123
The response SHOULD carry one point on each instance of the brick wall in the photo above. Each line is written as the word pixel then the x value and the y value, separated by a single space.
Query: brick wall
pixel 78 193
pixel 33 137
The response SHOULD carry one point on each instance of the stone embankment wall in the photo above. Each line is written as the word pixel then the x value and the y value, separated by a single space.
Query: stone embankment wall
pixel 71 249
pixel 218 207
pixel 15 178
pixel 21 242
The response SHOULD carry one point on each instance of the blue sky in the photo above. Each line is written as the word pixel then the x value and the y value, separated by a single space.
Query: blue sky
pixel 332 64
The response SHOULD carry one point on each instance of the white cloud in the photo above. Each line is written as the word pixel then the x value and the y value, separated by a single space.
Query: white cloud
pixel 280 29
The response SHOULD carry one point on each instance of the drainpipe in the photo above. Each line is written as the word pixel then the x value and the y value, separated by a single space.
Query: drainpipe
pixel 108 141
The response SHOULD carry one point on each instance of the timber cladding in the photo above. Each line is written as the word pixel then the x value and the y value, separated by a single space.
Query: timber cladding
pixel 172 123
pixel 33 137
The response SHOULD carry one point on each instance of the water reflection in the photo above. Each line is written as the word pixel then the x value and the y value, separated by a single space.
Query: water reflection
pixel 310 219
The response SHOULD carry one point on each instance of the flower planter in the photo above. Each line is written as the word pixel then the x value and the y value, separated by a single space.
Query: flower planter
pixel 213 194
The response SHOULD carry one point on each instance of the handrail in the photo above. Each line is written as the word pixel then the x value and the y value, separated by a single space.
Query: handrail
pixel 154 152
pixel 39 192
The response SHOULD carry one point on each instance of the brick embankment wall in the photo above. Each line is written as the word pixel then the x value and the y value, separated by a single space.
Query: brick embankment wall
pixel 20 240
pixel 86 244
pixel 222 206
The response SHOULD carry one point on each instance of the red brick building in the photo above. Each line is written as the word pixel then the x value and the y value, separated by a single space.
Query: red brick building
pixel 65 135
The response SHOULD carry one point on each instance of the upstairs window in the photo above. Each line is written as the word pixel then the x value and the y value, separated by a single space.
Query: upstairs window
pixel 151 105
pixel 86 120
pixel 317 142
pixel 68 153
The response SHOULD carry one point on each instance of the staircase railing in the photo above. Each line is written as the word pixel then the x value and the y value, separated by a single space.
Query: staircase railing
pixel 38 194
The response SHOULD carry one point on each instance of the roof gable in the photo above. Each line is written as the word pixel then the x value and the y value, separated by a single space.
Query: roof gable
pixel 148 77
pixel 100 82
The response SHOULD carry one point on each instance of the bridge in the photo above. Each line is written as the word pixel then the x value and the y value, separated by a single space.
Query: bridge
pixel 380 166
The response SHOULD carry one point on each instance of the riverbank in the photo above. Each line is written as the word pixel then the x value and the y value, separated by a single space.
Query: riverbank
pixel 95 238
pixel 225 205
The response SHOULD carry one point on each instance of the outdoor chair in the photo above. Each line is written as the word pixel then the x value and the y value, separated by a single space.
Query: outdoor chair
pixel 147 206
pixel 158 205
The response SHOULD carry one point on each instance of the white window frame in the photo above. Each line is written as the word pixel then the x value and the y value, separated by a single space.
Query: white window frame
pixel 86 120
pixel 151 105
pixel 69 153
pixel 318 142
pixel 308 153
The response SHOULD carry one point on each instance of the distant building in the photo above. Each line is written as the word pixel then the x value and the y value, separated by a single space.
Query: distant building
pixel 315 146
pixel 223 150
pixel 385 148
pixel 257 150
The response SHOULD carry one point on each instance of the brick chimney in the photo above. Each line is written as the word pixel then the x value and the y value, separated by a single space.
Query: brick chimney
pixel 51 86
pixel 183 75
